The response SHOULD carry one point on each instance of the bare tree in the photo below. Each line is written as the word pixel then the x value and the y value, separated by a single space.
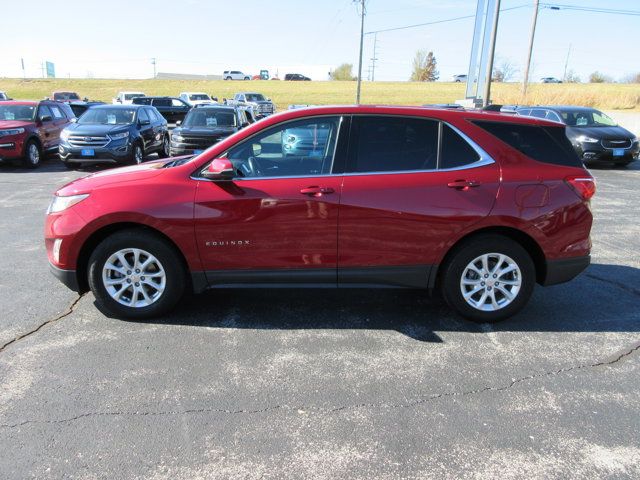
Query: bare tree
pixel 572 77
pixel 424 67
pixel 599 77
pixel 504 71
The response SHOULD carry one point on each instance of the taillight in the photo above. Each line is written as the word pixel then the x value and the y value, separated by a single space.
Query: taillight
pixel 585 187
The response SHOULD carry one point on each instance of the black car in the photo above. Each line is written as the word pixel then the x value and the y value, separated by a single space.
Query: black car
pixel 172 108
pixel 296 77
pixel 204 126
pixel 114 134
pixel 594 136
pixel 78 108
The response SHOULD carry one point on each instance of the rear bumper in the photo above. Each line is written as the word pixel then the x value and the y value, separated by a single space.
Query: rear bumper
pixel 68 277
pixel 565 269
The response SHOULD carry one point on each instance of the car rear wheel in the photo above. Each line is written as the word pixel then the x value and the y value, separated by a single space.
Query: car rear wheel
pixel 136 274
pixel 488 278
pixel 32 154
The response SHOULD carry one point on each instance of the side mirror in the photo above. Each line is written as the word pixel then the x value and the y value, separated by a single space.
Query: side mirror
pixel 178 123
pixel 215 99
pixel 45 118
pixel 219 169
pixel 74 120
pixel 145 122
pixel 268 99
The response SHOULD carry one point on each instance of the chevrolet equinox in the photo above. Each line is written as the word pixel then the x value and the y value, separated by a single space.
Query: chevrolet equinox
pixel 479 205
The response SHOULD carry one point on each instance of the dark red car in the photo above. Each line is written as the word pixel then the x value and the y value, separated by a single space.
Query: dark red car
pixel 480 205
pixel 29 130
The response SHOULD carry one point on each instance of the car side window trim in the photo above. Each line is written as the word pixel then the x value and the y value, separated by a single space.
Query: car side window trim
pixel 343 124
pixel 483 160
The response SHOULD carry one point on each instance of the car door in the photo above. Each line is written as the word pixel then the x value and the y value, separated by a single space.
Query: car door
pixel 47 128
pixel 276 221
pixel 411 186
pixel 146 129
pixel 159 124
pixel 179 110
pixel 59 122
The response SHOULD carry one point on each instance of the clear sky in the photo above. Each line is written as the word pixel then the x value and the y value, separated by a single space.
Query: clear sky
pixel 118 38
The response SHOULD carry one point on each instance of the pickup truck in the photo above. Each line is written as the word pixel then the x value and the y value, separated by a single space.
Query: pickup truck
pixel 171 108
pixel 197 98
pixel 125 98
pixel 261 106
pixel 65 96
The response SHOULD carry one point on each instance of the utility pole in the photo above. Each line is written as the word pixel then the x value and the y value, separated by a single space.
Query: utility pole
pixel 42 68
pixel 153 62
pixel 361 47
pixel 492 50
pixel 525 80
pixel 24 75
pixel 566 64
pixel 374 58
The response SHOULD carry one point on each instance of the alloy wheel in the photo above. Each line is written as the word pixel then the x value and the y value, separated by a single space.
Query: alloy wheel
pixel 491 282
pixel 33 154
pixel 134 278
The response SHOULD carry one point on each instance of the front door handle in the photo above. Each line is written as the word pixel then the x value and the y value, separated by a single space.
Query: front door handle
pixel 463 185
pixel 316 191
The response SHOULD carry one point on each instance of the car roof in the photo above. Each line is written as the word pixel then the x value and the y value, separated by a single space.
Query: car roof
pixel 560 108
pixel 415 111
pixel 121 107
pixel 20 102
pixel 216 107
pixel 153 97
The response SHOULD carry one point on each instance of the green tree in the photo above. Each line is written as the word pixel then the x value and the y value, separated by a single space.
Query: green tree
pixel 343 72
pixel 424 67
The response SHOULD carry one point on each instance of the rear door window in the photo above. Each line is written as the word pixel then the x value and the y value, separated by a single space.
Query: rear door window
pixel 57 114
pixel 393 144
pixel 544 144
pixel 142 115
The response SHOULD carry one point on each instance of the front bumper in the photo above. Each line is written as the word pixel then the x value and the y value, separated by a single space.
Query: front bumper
pixel 590 153
pixel 68 277
pixel 565 269
pixel 11 149
pixel 114 153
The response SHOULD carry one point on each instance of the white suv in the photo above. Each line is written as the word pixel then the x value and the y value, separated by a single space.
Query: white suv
pixel 235 75
pixel 197 98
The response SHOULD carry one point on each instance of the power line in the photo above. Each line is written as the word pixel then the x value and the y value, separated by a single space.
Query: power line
pixel 559 6
pixel 445 20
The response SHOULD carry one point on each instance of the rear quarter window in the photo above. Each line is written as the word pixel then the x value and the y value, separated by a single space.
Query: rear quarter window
pixel 544 144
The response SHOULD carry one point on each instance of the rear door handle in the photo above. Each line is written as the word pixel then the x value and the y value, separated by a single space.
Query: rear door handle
pixel 316 191
pixel 463 184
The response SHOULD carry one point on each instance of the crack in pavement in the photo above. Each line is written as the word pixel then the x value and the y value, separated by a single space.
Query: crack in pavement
pixel 68 312
pixel 617 357
pixel 620 285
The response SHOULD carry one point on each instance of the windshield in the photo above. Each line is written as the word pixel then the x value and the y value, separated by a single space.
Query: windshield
pixel 18 112
pixel 587 118
pixel 254 97
pixel 130 96
pixel 199 96
pixel 66 96
pixel 108 116
pixel 210 118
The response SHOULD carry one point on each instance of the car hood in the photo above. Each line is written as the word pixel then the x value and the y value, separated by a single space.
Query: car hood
pixel 95 129
pixel 603 133
pixel 205 132
pixel 13 124
pixel 134 173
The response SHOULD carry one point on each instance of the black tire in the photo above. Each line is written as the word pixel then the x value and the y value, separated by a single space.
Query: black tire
pixel 227 78
pixel 464 254
pixel 32 154
pixel 247 78
pixel 165 149
pixel 165 253
pixel 135 159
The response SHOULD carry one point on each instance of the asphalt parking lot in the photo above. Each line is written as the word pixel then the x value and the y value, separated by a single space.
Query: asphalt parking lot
pixel 319 383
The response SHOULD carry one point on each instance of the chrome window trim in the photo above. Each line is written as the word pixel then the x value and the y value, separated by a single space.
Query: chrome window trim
pixel 484 160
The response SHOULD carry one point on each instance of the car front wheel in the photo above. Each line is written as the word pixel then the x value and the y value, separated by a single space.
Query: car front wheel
pixel 32 155
pixel 137 154
pixel 165 150
pixel 136 274
pixel 488 278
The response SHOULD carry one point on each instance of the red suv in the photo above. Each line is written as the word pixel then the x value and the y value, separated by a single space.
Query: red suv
pixel 480 205
pixel 28 130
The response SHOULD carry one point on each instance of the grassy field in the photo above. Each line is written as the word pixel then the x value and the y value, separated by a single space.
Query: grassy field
pixel 603 96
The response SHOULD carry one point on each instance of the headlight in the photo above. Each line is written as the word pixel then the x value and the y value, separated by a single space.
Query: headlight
pixel 118 136
pixel 11 131
pixel 58 204
pixel 634 140
pixel 586 139
pixel 177 138
pixel 64 135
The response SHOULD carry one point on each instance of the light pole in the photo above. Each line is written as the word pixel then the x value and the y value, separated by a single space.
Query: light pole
pixel 361 47
pixel 525 80
pixel 492 50
pixel 153 62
